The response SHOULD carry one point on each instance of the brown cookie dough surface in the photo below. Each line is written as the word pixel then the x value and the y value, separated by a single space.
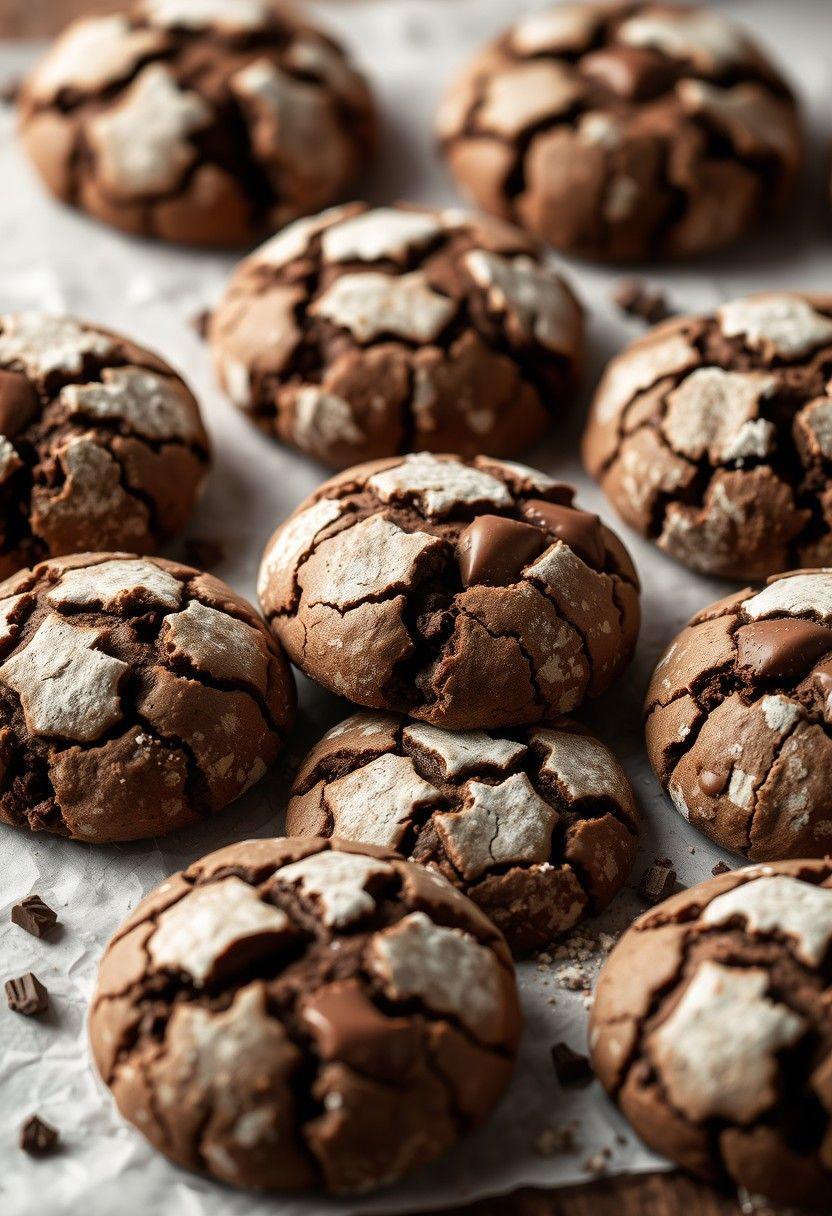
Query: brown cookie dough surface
pixel 712 1029
pixel 539 827
pixel 101 443
pixel 364 332
pixel 713 436
pixel 739 719
pixel 136 696
pixel 207 122
pixel 299 1014
pixel 624 131
pixel 470 594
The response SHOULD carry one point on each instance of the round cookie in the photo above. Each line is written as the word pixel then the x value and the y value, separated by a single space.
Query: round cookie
pixel 623 132
pixel 712 1029
pixel 198 121
pixel 136 696
pixel 298 1014
pixel 365 332
pixel 713 435
pixel 539 828
pixel 470 594
pixel 101 443
pixel 739 719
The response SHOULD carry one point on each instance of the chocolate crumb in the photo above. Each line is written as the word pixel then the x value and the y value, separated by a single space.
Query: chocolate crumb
pixel 658 883
pixel 37 1137
pixel 33 915
pixel 720 868
pixel 203 552
pixel 598 1162
pixel 200 322
pixel 9 92
pixel 561 1138
pixel 571 1067
pixel 635 298
pixel 27 995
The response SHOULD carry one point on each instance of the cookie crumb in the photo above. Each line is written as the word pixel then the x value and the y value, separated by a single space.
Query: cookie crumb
pixel 200 322
pixel 720 868
pixel 560 1138
pixel 37 1137
pixel 637 299
pixel 27 995
pixel 34 916
pixel 598 1163
pixel 658 883
pixel 571 1067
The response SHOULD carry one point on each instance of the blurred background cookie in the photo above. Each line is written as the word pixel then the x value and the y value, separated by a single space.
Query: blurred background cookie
pixel 469 594
pixel 196 121
pixel 362 333
pixel 624 131
pixel 738 714
pixel 136 696
pixel 712 1029
pixel 713 435
pixel 539 828
pixel 294 1014
pixel 101 443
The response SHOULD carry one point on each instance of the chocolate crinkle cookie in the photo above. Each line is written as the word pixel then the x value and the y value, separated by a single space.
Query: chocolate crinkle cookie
pixel 739 719
pixel 101 443
pixel 468 594
pixel 713 435
pixel 539 828
pixel 208 122
pixel 136 696
pixel 712 1029
pixel 299 1014
pixel 624 131
pixel 362 333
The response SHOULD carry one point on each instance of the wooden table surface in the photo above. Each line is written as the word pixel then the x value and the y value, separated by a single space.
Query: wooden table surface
pixel 649 1195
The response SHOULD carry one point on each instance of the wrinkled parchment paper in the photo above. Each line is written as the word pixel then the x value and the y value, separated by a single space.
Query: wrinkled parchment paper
pixel 53 259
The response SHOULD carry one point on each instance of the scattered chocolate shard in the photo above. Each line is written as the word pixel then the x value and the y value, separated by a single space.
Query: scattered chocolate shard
pixel 635 298
pixel 27 995
pixel 200 322
pixel 571 1067
pixel 37 1137
pixel 33 915
pixel 720 868
pixel 658 883
pixel 9 92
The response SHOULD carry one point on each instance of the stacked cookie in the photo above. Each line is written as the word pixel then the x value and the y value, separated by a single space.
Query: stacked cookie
pixel 332 1010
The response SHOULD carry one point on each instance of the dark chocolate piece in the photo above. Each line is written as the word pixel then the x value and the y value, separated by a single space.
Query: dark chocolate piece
pixel 33 915
pixel 27 995
pixel 37 1137
pixel 637 299
pixel 781 649
pixel 657 884
pixel 571 1067
pixel 581 530
pixel 495 550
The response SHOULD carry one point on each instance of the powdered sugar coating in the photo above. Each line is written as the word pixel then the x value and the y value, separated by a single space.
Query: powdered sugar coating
pixel 497 825
pixel 787 325
pixel 196 932
pixel 41 344
pixel 336 883
pixel 717 412
pixel 218 644
pixel 386 232
pixel 67 687
pixel 783 906
pixel 800 595
pixel 151 405
pixel 438 485
pixel 108 584
pixel 539 305
pixel 708 39
pixel 290 545
pixel 369 304
pixel 461 752
pixel 203 14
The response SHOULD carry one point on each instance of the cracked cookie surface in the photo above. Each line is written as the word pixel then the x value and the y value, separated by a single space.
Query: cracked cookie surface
pixel 624 131
pixel 195 121
pixel 712 1029
pixel 298 1014
pixel 136 696
pixel 713 436
pixel 470 594
pixel 101 443
pixel 364 332
pixel 739 719
pixel 539 828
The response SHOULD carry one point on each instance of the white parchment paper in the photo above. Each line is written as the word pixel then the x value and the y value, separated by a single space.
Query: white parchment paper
pixel 53 259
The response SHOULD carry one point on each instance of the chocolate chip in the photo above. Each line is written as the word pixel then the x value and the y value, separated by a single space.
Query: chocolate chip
pixel 571 1067
pixel 494 550
pixel 657 884
pixel 637 299
pixel 782 649
pixel 720 868
pixel 33 915
pixel 580 530
pixel 27 995
pixel 37 1137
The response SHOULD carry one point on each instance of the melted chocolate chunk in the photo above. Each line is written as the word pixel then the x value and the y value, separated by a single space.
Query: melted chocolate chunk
pixel 495 550
pixel 581 530
pixel 782 649
pixel 713 783
pixel 18 403
pixel 347 1026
